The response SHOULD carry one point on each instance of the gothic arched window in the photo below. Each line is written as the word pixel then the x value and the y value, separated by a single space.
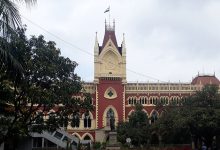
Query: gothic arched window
pixel 132 101
pixel 167 101
pixel 129 101
pixel 151 100
pixel 87 120
pixel 135 101
pixel 154 101
pixel 154 117
pixel 75 120
pixel 162 100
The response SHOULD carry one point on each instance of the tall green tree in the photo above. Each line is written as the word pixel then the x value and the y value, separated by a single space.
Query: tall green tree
pixel 137 128
pixel 48 81
pixel 197 118
pixel 171 127
pixel 204 117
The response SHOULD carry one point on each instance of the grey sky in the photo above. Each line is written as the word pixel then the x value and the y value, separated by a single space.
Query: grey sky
pixel 165 39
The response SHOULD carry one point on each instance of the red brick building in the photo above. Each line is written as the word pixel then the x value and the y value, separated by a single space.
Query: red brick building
pixel 114 96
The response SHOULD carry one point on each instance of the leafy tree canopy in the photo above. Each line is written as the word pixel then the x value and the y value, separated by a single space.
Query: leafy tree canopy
pixel 48 81
pixel 196 118
pixel 137 128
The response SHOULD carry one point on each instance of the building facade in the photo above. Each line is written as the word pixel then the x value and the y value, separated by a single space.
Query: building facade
pixel 113 96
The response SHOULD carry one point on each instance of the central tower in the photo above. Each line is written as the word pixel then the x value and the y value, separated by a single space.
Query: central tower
pixel 110 78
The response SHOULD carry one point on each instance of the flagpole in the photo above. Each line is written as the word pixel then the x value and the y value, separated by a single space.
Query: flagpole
pixel 109 16
pixel 108 10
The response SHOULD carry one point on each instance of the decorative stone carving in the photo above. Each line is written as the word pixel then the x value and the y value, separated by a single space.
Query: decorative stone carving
pixel 110 93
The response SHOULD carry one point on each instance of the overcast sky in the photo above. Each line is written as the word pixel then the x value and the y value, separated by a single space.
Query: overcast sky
pixel 166 40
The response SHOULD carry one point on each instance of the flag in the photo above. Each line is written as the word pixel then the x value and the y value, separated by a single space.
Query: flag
pixel 107 10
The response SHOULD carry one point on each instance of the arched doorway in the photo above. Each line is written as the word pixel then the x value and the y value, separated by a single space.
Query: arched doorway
pixel 109 112
pixel 87 137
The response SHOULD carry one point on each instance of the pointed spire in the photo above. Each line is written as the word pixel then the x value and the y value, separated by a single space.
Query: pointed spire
pixel 96 47
pixel 114 24
pixel 123 46
pixel 105 25
pixel 123 42
pixel 96 38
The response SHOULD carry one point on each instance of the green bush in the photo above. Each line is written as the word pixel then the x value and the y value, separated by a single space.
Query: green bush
pixel 96 145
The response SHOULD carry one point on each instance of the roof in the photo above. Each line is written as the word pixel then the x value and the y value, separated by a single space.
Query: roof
pixel 110 34
pixel 205 79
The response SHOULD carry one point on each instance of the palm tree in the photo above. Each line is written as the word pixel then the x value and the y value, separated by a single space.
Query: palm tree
pixel 10 20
